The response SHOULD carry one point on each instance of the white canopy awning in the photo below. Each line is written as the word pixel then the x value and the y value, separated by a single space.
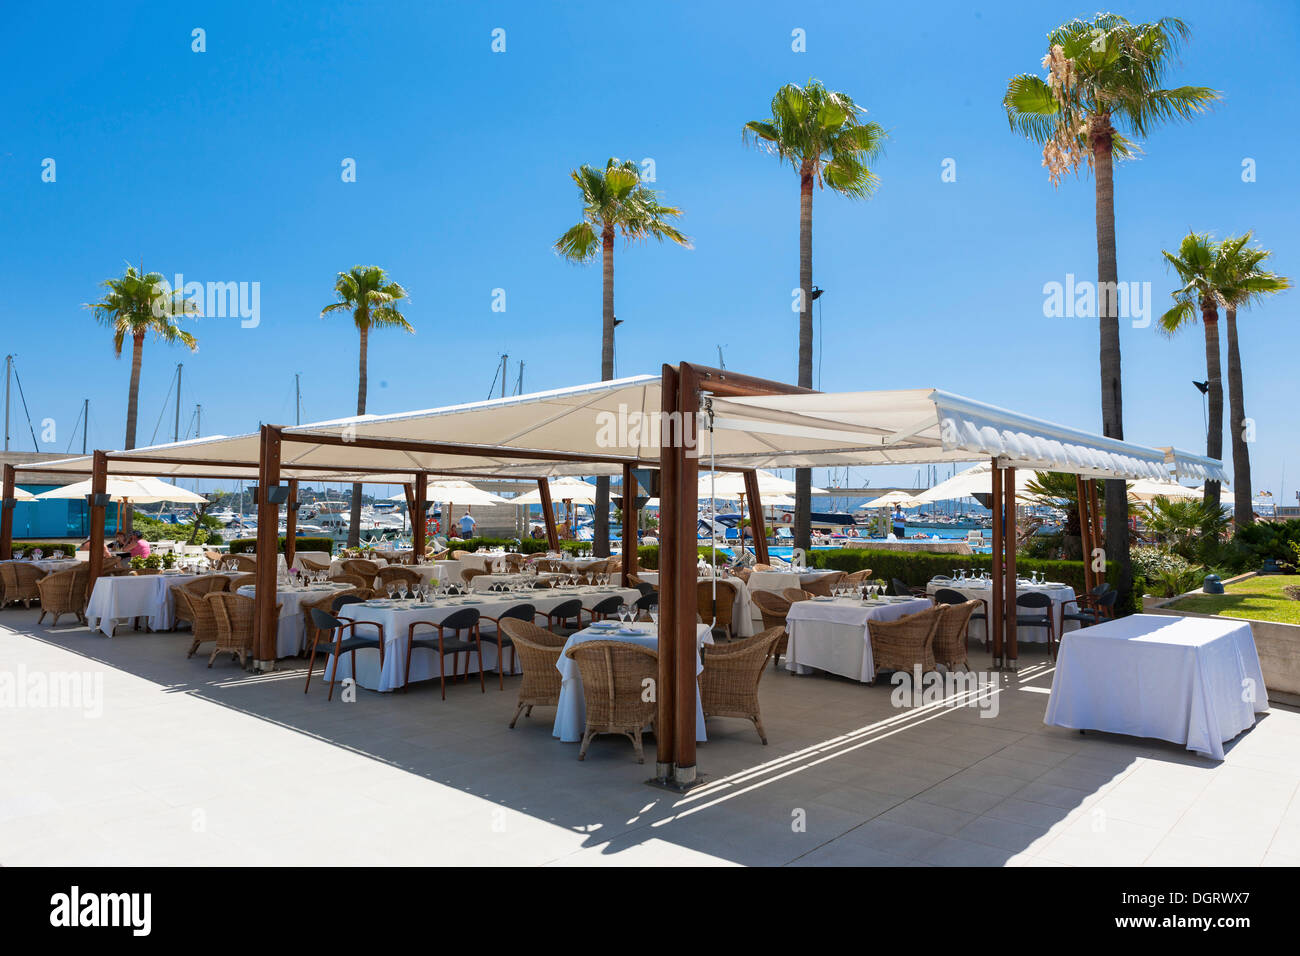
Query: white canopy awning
pixel 900 498
pixel 597 428
pixel 562 489
pixel 138 490
pixel 454 491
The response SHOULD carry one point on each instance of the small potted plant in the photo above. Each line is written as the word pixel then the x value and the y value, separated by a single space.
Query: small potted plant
pixel 169 561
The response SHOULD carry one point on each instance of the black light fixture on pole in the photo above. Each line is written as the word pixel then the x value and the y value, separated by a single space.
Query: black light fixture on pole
pixel 1204 389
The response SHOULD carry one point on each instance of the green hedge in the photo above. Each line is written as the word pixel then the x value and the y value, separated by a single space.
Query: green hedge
pixel 249 545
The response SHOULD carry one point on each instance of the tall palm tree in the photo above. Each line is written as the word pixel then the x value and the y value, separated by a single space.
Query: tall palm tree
pixel 135 305
pixel 1104 75
pixel 1244 282
pixel 821 133
pixel 372 298
pixel 1201 271
pixel 614 201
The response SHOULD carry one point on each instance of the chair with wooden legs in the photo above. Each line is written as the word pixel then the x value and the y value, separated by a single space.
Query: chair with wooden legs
pixel 501 637
pixel 20 579
pixel 775 608
pixel 464 619
pixel 720 613
pixel 327 623
pixel 857 579
pixel 64 592
pixel 906 643
pixel 951 638
pixel 366 570
pixel 614 676
pixel 539 651
pixel 729 680
pixel 396 575
pixel 570 610
pixel 956 599
pixel 314 567
pixel 1036 601
pixel 824 585
pixel 234 617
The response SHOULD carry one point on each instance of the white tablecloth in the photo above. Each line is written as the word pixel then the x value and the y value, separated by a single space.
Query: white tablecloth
pixel 291 635
pixel 571 713
pixel 320 557
pixel 397 617
pixel 778 581
pixel 742 610
pixel 832 635
pixel 1024 635
pixel 123 597
pixel 49 565
pixel 1191 681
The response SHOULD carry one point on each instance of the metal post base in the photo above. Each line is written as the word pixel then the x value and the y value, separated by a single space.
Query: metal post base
pixel 1012 665
pixel 677 779
pixel 263 667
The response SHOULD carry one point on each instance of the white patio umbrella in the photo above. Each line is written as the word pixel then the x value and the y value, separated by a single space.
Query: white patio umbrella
pixel 731 485
pixel 451 490
pixel 137 490
pixel 977 480
pixel 562 489
pixel 892 498
pixel 1147 489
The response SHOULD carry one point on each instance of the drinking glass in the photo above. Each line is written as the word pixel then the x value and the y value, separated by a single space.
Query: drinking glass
pixel 401 590
pixel 654 614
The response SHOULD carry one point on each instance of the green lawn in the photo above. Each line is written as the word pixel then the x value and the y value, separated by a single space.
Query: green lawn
pixel 1259 598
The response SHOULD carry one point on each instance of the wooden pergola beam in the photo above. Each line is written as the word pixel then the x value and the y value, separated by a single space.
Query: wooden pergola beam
pixel 291 523
pixel 1009 564
pixel 756 521
pixel 266 624
pixel 7 514
pixel 548 513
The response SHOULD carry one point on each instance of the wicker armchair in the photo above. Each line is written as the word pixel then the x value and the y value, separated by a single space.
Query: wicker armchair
pixel 394 574
pixel 458 555
pixel 352 581
pixel 858 578
pixel 539 650
pixel 366 570
pixel 200 614
pixel 795 594
pixel 64 592
pixel 725 602
pixel 315 567
pixel 20 580
pixel 774 608
pixel 207 584
pixel 240 562
pixel 234 619
pixel 469 574
pixel 903 644
pixel 613 682
pixel 950 639
pixel 824 585
pixel 515 562
pixel 238 581
pixel 729 681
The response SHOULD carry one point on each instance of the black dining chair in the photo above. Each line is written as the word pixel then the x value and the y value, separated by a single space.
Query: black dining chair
pixel 1100 608
pixel 570 610
pixel 1037 601
pixel 602 609
pixel 323 622
pixel 465 619
pixel 519 612
pixel 899 588
pixel 646 601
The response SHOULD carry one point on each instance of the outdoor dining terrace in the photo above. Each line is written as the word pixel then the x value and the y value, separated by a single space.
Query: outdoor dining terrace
pixel 927 704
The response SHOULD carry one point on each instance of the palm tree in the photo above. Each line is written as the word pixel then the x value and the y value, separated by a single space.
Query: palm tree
pixel 613 201
pixel 822 135
pixel 135 305
pixel 1244 282
pixel 371 297
pixel 1201 271
pixel 1101 73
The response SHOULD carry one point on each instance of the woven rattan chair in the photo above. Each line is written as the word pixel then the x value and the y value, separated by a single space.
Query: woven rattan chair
pixel 214 556
pixel 458 555
pixel 469 574
pixel 234 616
pixel 956 599
pixel 366 570
pixel 795 594
pixel 315 567
pixel 64 592
pixel 395 574
pixel 201 615
pixel 857 578
pixel 825 584
pixel 539 651
pixel 20 580
pixel 903 644
pixel 352 580
pixel 774 608
pixel 614 676
pixel 240 562
pixel 721 616
pixel 238 581
pixel 206 584
pixel 515 562
pixel 951 637
pixel 729 681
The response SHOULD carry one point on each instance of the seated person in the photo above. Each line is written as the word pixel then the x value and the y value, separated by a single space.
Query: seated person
pixel 139 546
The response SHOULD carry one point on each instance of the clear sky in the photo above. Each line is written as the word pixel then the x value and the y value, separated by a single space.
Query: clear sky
pixel 226 165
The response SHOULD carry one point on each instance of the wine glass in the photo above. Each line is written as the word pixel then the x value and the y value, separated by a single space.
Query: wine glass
pixel 401 590
pixel 654 614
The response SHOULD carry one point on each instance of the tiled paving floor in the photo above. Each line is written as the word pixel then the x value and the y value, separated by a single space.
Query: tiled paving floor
pixel 187 765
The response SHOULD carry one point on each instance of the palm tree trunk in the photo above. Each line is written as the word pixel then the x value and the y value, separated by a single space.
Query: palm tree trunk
pixel 802 529
pixel 600 544
pixel 354 522
pixel 1112 404
pixel 127 514
pixel 1242 508
pixel 1214 375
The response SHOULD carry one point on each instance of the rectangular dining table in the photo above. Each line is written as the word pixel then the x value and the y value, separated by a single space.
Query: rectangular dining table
pixel 974 589
pixel 831 634
pixel 124 597
pixel 397 617
pixel 1191 681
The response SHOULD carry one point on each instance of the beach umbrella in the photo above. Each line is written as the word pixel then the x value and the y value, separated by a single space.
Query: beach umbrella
pixel 137 490
pixel 562 489
pixel 901 498
pixel 452 490
pixel 1148 489
pixel 731 485
pixel 977 480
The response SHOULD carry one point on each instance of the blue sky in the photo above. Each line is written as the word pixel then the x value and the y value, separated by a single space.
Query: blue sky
pixel 225 166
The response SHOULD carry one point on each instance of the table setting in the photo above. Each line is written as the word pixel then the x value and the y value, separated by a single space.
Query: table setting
pixel 830 633
pixel 980 587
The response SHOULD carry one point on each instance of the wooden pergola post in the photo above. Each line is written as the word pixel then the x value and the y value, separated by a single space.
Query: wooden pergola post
pixel 268 522
pixel 7 515
pixel 665 735
pixel 631 519
pixel 1009 564
pixel 685 452
pixel 994 623
pixel 548 513
pixel 755 518
pixel 291 524
pixel 98 486
pixel 418 524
